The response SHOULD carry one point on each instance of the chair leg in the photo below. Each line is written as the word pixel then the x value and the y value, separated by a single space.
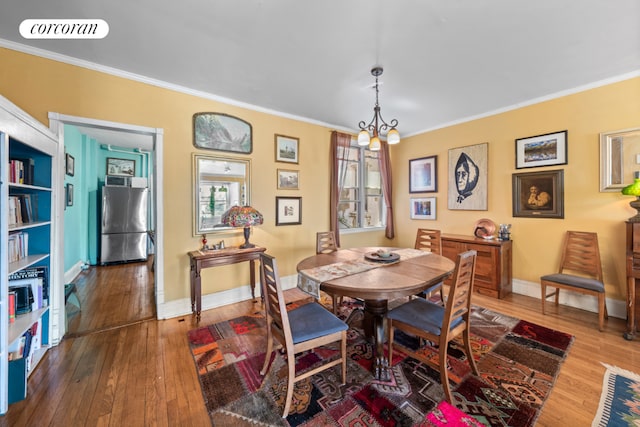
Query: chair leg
pixel 390 344
pixel 543 288
pixel 466 337
pixel 444 374
pixel 291 362
pixel 343 354
pixel 602 311
pixel 267 356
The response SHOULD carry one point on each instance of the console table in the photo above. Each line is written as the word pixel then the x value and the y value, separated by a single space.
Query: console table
pixel 493 275
pixel 633 278
pixel 214 258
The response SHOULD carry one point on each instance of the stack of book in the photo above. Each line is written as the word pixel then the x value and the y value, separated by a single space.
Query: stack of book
pixel 21 209
pixel 37 279
pixel 18 246
pixel 21 171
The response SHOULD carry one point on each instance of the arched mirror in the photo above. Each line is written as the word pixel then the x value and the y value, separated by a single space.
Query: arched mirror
pixel 219 183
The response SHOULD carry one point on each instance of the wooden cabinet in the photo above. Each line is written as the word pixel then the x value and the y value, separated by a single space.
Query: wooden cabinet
pixel 633 278
pixel 28 196
pixel 493 264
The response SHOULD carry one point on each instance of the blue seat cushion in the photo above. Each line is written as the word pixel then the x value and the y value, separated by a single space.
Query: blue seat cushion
pixel 312 321
pixel 422 314
pixel 575 281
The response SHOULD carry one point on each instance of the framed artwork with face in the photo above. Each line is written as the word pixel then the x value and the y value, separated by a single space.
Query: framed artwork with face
pixel 467 175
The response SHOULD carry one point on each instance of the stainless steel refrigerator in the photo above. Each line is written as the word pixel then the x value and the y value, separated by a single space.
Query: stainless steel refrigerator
pixel 124 224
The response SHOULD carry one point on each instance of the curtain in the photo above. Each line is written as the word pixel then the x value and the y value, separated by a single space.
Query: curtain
pixel 337 140
pixel 385 172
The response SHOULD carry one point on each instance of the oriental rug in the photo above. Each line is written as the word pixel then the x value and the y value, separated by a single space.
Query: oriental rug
pixel 518 363
pixel 620 399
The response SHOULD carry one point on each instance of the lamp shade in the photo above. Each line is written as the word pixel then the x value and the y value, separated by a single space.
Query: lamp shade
pixel 375 144
pixel 363 138
pixel 393 136
pixel 632 189
pixel 241 216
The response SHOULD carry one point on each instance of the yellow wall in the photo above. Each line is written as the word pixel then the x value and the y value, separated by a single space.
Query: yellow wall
pixel 536 242
pixel 39 86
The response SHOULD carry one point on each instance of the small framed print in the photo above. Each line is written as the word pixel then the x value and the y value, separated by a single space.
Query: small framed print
pixel 70 164
pixel 288 210
pixel 542 150
pixel 423 207
pixel 287 149
pixel 538 194
pixel 288 179
pixel 69 194
pixel 423 175
pixel 121 167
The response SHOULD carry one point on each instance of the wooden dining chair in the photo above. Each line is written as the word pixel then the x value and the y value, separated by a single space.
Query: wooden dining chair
pixel 326 244
pixel 430 240
pixel 304 328
pixel 439 324
pixel 580 271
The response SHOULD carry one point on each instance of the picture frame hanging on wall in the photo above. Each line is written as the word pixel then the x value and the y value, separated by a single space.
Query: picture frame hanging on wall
pixel 549 149
pixel 423 175
pixel 288 210
pixel 288 179
pixel 222 132
pixel 468 170
pixel 538 194
pixel 423 207
pixel 287 148
pixel 69 164
pixel 121 167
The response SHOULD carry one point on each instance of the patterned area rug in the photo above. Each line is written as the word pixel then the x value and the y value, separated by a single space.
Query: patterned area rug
pixel 620 399
pixel 518 363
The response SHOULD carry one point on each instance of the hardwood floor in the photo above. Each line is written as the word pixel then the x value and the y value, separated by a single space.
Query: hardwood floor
pixel 143 374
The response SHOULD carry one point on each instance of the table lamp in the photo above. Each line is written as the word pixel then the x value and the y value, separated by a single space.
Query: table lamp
pixel 634 190
pixel 242 216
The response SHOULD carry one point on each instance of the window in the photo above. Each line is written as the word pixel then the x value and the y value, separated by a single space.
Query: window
pixel 361 202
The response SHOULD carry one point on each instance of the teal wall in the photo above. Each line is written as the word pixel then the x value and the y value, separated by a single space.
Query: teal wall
pixel 82 220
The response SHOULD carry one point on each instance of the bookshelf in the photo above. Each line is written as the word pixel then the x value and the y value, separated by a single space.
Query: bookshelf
pixel 28 194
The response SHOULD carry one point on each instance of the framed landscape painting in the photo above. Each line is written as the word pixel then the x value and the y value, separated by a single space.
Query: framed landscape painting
pixel 286 149
pixel 222 132
pixel 542 150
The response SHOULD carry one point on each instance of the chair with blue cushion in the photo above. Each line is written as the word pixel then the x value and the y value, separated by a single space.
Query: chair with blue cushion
pixel 580 271
pixel 326 244
pixel 301 329
pixel 430 240
pixel 440 324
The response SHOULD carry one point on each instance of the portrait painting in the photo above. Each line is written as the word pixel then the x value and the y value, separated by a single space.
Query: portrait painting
pixel 468 177
pixel 538 194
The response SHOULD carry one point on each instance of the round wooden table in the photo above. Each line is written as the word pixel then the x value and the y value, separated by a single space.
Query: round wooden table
pixel 379 285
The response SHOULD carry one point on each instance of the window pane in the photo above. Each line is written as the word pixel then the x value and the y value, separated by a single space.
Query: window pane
pixel 348 214
pixel 373 212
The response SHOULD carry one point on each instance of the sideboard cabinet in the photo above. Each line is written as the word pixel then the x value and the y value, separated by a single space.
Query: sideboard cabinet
pixel 493 275
pixel 633 278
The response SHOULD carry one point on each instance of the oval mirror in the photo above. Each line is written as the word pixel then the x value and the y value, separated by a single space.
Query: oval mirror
pixel 219 183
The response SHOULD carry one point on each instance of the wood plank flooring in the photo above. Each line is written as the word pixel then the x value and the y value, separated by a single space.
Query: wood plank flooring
pixel 143 374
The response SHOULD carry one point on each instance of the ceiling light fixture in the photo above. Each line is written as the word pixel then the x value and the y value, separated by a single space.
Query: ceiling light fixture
pixel 370 133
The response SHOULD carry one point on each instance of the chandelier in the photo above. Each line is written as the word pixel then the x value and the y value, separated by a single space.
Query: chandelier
pixel 370 133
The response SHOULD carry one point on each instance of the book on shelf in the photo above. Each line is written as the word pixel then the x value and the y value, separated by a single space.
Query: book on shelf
pixel 18 246
pixel 21 209
pixel 12 306
pixel 38 278
pixel 21 170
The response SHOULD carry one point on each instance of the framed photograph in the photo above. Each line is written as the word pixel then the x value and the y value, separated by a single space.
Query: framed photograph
pixel 542 150
pixel 468 169
pixel 423 175
pixel 423 207
pixel 286 149
pixel 288 210
pixel 69 194
pixel 619 154
pixel 288 179
pixel 222 132
pixel 538 194
pixel 121 167
pixel 70 164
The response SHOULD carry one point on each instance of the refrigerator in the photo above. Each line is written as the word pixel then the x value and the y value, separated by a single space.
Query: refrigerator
pixel 124 224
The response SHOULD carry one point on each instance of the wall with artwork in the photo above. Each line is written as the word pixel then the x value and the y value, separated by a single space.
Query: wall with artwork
pixel 567 174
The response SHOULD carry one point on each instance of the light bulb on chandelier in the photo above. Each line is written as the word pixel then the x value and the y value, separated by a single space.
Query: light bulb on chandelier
pixel 370 133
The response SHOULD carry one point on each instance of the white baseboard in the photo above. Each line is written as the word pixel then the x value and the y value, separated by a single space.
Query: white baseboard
pixel 73 272
pixel 615 308
pixel 182 307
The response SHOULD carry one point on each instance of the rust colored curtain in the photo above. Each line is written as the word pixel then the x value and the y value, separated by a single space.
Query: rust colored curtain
pixel 385 172
pixel 337 140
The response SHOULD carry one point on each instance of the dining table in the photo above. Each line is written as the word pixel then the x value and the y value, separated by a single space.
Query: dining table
pixel 363 274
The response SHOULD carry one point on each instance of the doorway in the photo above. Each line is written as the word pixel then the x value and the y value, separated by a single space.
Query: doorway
pixel 111 295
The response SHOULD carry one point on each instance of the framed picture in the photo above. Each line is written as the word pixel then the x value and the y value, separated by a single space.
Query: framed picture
pixel 423 175
pixel 70 164
pixel 468 178
pixel 288 210
pixel 538 194
pixel 222 132
pixel 286 149
pixel 542 150
pixel 618 158
pixel 423 207
pixel 69 194
pixel 288 179
pixel 121 167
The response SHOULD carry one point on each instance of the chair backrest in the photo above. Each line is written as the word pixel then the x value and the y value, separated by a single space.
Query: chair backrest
pixel 275 304
pixel 581 254
pixel 326 242
pixel 429 240
pixel 459 300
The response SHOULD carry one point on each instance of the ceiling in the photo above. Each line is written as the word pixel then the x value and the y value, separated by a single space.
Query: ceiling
pixel 444 61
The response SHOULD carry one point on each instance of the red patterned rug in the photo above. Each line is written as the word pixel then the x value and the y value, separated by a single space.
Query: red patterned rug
pixel 518 363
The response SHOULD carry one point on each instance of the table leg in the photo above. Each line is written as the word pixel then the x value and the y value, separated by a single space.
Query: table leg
pixel 196 292
pixel 252 276
pixel 631 309
pixel 374 312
